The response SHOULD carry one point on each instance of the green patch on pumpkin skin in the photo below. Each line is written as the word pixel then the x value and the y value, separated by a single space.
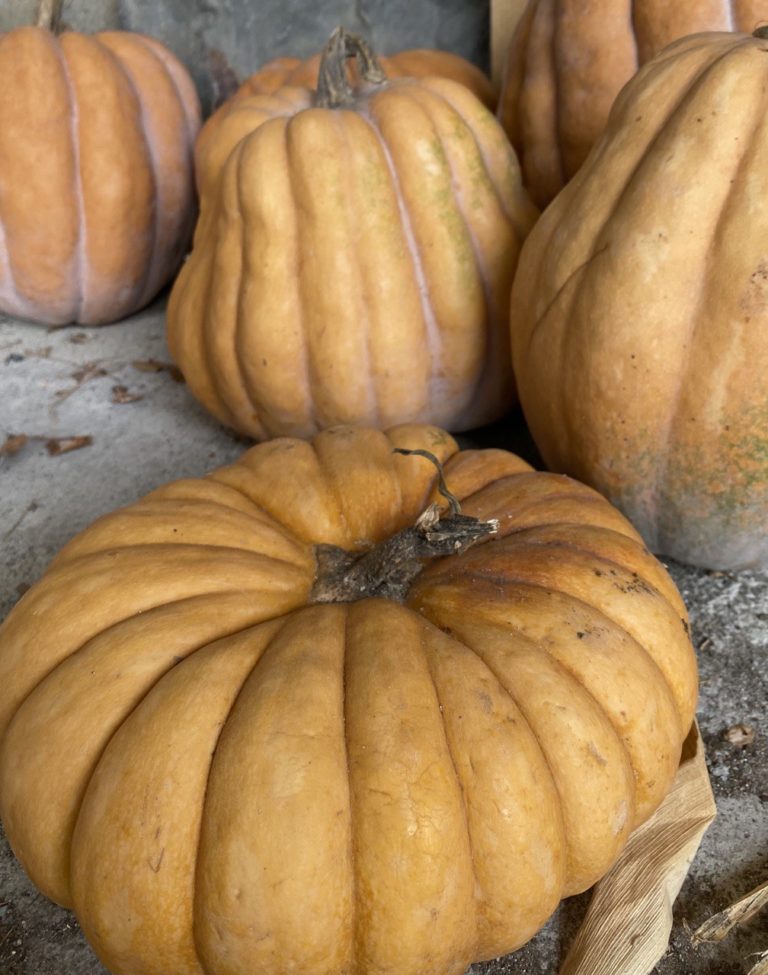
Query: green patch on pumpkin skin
pixel 446 205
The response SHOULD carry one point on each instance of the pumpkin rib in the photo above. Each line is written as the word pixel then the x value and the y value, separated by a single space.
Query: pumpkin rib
pixel 504 581
pixel 519 701
pixel 429 318
pixel 177 80
pixel 122 68
pixel 80 271
pixel 601 242
pixel 491 309
pixel 355 913
pixel 694 325
pixel 352 230
pixel 117 722
pixel 283 622
pixel 430 668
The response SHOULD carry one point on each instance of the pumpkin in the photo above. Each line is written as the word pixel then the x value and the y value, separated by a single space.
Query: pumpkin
pixel 353 258
pixel 640 310
pixel 568 60
pixel 283 719
pixel 97 198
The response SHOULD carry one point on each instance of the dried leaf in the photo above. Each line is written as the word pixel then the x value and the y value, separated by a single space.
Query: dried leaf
pixel 41 353
pixel 78 338
pixel 761 968
pixel 626 929
pixel 720 925
pixel 740 735
pixel 176 374
pixel 91 370
pixel 64 445
pixel 13 444
pixel 121 394
pixel 148 365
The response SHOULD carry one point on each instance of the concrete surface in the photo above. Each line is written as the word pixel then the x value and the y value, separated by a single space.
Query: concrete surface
pixel 221 41
pixel 76 383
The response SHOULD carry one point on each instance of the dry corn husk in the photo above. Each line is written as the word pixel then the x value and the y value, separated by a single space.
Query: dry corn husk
pixel 628 923
pixel 720 925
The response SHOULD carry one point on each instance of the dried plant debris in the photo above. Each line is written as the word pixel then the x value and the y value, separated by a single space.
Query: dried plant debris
pixel 64 445
pixel 154 365
pixel 121 394
pixel 13 444
pixel 720 925
pixel 740 735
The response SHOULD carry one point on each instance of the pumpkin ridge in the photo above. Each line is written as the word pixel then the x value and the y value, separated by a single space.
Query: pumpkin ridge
pixel 141 696
pixel 462 793
pixel 356 940
pixel 520 231
pixel 431 325
pixel 80 268
pixel 374 418
pixel 662 469
pixel 142 287
pixel 503 581
pixel 497 677
pixel 493 331
pixel 191 120
pixel 197 886
pixel 602 240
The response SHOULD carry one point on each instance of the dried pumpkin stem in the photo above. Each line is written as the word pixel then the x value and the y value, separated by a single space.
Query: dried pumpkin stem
pixel 388 569
pixel 334 89
pixel 49 14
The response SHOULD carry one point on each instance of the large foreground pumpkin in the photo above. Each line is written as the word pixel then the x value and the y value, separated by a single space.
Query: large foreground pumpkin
pixel 640 311
pixel 569 59
pixel 246 731
pixel 97 197
pixel 354 257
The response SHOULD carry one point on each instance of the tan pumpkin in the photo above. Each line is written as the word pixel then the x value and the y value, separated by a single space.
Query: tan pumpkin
pixel 569 59
pixel 640 310
pixel 97 197
pixel 234 740
pixel 353 258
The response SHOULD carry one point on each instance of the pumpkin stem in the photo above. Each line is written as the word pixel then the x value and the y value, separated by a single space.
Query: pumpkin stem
pixel 388 569
pixel 49 14
pixel 333 86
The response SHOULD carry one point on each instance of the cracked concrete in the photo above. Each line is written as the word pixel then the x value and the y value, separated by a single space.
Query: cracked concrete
pixel 114 385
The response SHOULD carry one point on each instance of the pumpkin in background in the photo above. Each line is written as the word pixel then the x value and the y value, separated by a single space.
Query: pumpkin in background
pixel 97 197
pixel 235 740
pixel 569 59
pixel 640 310
pixel 353 258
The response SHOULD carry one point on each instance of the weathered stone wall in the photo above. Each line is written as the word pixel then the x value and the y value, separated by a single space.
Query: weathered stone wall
pixel 221 41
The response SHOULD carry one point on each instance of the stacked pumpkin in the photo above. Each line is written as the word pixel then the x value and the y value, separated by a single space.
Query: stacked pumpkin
pixel 341 725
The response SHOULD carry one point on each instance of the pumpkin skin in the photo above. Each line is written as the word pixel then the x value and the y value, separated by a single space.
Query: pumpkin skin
pixel 568 60
pixel 245 781
pixel 97 197
pixel 640 332
pixel 353 265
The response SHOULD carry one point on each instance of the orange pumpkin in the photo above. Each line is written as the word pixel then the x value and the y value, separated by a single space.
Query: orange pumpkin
pixel 640 309
pixel 569 59
pixel 353 258
pixel 97 198
pixel 234 740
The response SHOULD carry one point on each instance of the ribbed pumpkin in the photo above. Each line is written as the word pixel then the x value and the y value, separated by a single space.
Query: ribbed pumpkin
pixel 640 310
pixel 353 258
pixel 97 198
pixel 569 59
pixel 236 742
